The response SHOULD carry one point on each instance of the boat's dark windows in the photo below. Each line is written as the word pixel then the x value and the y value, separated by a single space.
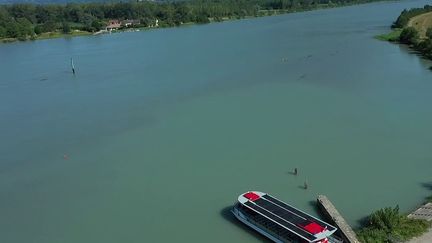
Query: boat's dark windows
pixel 275 229
pixel 282 212
pixel 288 225
pixel 296 211
pixel 271 227
pixel 248 211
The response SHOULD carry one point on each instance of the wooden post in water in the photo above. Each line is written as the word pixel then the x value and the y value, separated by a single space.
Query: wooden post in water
pixel 73 66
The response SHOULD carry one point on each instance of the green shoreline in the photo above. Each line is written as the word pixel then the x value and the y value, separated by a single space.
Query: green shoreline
pixel 392 36
pixel 404 33
pixel 49 35
pixel 262 13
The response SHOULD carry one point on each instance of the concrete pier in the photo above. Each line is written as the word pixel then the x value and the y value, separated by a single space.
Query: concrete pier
pixel 423 212
pixel 345 231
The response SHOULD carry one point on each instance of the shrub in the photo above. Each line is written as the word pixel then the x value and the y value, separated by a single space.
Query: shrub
pixel 66 27
pixel 429 33
pixel 386 219
pixel 2 32
pixel 388 225
pixel 38 29
pixel 49 26
pixel 409 36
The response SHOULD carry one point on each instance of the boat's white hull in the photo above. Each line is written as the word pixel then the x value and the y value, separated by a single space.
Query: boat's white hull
pixel 244 220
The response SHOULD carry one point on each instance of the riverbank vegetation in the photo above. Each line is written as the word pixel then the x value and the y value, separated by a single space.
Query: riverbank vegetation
pixel 393 36
pixel 406 15
pixel 389 225
pixel 414 28
pixel 31 21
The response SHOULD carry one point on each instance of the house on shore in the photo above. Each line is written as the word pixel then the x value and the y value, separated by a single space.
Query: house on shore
pixel 113 24
pixel 130 23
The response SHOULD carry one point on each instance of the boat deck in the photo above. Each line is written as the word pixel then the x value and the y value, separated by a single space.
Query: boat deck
pixel 288 217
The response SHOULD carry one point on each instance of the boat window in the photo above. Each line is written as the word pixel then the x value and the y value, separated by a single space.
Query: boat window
pixel 274 229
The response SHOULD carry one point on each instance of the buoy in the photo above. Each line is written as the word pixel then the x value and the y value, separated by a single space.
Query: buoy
pixel 65 156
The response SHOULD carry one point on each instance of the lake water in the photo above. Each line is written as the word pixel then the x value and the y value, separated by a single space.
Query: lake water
pixel 160 131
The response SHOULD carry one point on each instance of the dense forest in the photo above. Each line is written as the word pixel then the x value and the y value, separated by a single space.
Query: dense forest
pixel 29 21
pixel 410 35
pixel 42 1
pixel 72 1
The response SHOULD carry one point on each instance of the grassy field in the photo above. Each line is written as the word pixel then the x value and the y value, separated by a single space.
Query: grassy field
pixel 392 36
pixel 421 22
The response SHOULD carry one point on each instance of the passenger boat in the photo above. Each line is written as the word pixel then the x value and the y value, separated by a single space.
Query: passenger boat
pixel 279 221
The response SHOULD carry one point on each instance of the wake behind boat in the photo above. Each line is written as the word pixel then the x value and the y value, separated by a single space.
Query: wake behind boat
pixel 279 221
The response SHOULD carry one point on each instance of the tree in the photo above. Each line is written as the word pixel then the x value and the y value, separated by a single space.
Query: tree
pixel 23 10
pixel 12 29
pixel 66 27
pixel 429 33
pixel 202 19
pixel 21 29
pixel 73 13
pixel 183 12
pixel 38 29
pixel 2 32
pixel 26 26
pixel 49 26
pixel 4 15
pixel 425 47
pixel 409 36
pixel 402 20
pixel 97 25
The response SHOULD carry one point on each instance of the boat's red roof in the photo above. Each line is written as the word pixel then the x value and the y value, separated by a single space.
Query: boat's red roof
pixel 313 228
pixel 251 196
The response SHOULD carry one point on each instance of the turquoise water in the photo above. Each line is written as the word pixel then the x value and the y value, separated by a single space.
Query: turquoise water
pixel 159 131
